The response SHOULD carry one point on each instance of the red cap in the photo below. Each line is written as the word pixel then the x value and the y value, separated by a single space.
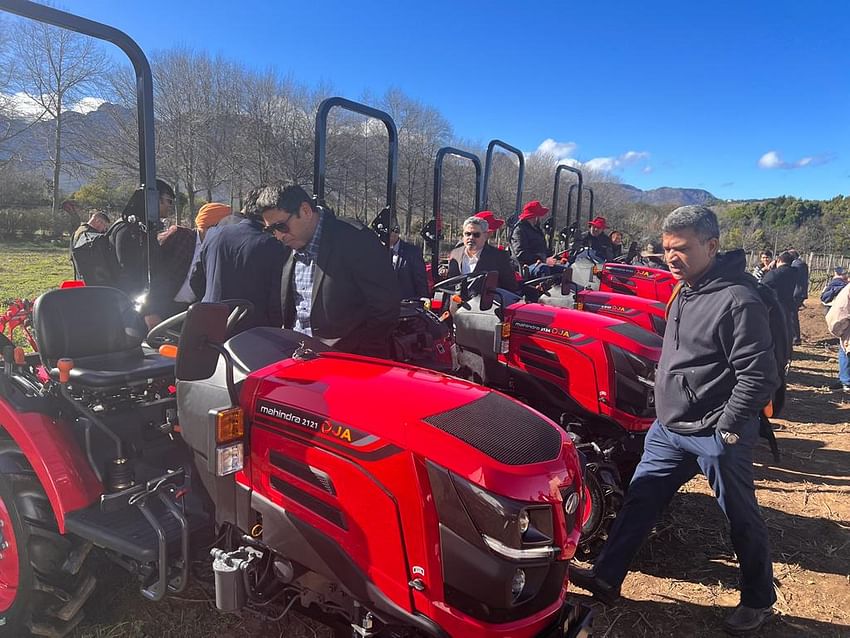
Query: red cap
pixel 533 209
pixel 599 222
pixel 493 222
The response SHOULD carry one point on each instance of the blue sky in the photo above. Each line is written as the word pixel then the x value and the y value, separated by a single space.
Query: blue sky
pixel 744 99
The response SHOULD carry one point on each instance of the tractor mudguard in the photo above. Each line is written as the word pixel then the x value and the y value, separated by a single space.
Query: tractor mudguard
pixel 59 463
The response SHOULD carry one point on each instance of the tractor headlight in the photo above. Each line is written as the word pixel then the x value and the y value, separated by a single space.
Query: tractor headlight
pixel 523 522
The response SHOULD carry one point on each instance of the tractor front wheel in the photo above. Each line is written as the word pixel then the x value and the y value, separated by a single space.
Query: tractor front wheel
pixel 16 574
pixel 603 498
pixel 38 593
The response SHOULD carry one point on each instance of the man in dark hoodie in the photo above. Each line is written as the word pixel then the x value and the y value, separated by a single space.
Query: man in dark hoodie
pixel 717 372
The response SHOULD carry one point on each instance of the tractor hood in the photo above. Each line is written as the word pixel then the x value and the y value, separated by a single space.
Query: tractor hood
pixel 369 409
pixel 560 324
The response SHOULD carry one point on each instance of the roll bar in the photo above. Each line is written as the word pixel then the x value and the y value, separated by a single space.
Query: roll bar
pixel 570 201
pixel 555 199
pixel 321 143
pixel 434 237
pixel 488 165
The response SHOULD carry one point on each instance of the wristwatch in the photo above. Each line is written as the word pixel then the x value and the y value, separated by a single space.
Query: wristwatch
pixel 729 438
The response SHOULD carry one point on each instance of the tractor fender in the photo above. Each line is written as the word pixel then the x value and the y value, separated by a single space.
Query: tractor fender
pixel 54 455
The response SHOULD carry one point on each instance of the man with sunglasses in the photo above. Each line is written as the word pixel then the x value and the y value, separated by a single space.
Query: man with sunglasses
pixel 242 261
pixel 338 284
pixel 476 255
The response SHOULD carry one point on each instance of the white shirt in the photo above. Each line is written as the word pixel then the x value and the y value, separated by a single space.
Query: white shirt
pixel 469 262
pixel 185 294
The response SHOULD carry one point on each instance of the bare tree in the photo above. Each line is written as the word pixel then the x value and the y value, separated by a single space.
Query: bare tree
pixel 56 69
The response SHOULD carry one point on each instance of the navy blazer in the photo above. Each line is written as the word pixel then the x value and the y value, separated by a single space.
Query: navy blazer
pixel 241 261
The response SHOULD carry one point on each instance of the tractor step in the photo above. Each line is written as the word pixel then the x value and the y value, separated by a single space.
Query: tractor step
pixel 128 531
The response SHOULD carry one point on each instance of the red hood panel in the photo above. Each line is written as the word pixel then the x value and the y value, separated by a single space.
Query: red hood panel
pixel 371 410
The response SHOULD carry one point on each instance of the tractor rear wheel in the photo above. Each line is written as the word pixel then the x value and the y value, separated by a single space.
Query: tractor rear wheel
pixel 39 594
pixel 603 498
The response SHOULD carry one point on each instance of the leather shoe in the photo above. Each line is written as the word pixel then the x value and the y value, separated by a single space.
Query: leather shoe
pixel 744 620
pixel 587 579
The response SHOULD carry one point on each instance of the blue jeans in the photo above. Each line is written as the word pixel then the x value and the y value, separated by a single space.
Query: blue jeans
pixel 669 461
pixel 843 366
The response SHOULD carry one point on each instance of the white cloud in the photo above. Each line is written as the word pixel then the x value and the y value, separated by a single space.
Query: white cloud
pixel 647 170
pixel 22 105
pixel 772 159
pixel 563 152
pixel 560 150
pixel 633 157
pixel 602 164
pixel 28 108
pixel 87 105
pixel 610 164
pixel 569 161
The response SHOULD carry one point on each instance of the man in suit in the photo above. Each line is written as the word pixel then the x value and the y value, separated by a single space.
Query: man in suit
pixel 338 284
pixel 476 255
pixel 242 261
pixel 409 266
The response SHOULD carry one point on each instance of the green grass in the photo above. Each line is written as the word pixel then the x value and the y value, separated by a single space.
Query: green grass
pixel 28 269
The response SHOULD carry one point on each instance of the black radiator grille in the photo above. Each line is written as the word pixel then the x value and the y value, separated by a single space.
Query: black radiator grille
pixel 501 429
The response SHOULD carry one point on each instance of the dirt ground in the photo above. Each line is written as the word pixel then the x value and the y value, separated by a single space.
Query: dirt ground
pixel 685 577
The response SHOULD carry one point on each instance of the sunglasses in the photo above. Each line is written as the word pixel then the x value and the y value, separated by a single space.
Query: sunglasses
pixel 470 234
pixel 280 227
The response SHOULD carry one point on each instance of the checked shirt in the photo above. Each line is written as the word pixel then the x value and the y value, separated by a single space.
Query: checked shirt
pixel 304 271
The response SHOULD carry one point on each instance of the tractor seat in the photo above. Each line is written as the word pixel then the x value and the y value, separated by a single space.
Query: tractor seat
pixel 100 330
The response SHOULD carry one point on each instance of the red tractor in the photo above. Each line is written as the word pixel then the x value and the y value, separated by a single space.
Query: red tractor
pixel 391 500
pixel 591 373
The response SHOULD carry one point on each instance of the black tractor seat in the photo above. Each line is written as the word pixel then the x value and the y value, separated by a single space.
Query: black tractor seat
pixel 100 330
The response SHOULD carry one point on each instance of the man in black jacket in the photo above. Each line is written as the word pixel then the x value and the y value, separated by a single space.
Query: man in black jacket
pixel 409 266
pixel 338 283
pixel 717 371
pixel 528 242
pixel 128 237
pixel 595 239
pixel 783 280
pixel 801 291
pixel 477 255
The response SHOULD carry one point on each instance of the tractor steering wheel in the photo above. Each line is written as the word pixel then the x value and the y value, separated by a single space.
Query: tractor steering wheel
pixel 450 285
pixel 168 331
pixel 542 284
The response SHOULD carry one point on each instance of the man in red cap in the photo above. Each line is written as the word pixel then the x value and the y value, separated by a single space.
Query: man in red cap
pixel 493 222
pixel 528 243
pixel 595 239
